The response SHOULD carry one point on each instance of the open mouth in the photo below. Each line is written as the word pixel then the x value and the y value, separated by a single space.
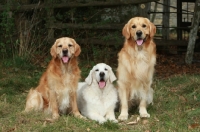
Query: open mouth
pixel 65 59
pixel 102 84
pixel 139 41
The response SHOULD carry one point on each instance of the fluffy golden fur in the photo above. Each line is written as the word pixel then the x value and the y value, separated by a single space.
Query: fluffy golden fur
pixel 136 62
pixel 56 92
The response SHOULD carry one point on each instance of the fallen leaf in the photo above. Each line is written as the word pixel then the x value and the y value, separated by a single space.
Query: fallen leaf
pixel 183 99
pixel 88 129
pixel 44 124
pixel 192 126
pixel 156 119
pixel 138 119
pixel 134 119
pixel 195 98
pixel 132 123
pixel 49 120
pixel 145 122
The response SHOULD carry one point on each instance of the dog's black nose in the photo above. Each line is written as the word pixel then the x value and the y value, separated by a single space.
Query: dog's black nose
pixel 65 52
pixel 101 74
pixel 139 33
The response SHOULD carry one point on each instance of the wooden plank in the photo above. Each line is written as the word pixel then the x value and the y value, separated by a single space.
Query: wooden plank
pixel 161 42
pixel 85 26
pixel 59 25
pixel 120 42
pixel 75 4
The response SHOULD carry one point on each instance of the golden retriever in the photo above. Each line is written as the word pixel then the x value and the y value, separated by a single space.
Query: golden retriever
pixel 97 97
pixel 56 92
pixel 136 62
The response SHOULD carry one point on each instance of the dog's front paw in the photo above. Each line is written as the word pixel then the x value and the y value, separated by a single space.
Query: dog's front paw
pixel 101 121
pixel 82 117
pixel 55 116
pixel 114 121
pixel 78 115
pixel 123 117
pixel 145 115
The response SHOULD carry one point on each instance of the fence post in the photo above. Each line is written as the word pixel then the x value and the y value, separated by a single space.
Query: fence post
pixel 50 12
pixel 165 27
pixel 143 10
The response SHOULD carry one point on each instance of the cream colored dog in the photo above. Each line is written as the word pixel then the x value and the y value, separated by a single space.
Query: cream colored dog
pixel 97 97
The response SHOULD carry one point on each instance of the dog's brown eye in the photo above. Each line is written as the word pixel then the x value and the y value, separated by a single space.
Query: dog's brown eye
pixel 106 69
pixel 70 45
pixel 97 70
pixel 143 25
pixel 59 45
pixel 133 26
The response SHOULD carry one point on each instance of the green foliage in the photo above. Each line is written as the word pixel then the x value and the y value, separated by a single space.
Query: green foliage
pixel 22 34
pixel 7 31
pixel 15 76
pixel 27 34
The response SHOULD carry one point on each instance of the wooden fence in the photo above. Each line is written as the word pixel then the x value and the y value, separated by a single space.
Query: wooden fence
pixel 90 22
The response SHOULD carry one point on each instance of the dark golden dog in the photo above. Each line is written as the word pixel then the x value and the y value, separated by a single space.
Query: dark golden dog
pixel 56 91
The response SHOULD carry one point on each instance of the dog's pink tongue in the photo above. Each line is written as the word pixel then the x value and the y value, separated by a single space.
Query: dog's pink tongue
pixel 102 84
pixel 65 59
pixel 139 42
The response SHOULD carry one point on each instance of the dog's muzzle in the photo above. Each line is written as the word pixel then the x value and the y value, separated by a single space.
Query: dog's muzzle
pixel 139 40
pixel 102 82
pixel 65 57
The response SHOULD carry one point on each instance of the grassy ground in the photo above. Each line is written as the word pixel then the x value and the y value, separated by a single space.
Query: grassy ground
pixel 176 105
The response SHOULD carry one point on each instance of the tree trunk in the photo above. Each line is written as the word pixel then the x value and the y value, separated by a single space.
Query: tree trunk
pixel 193 33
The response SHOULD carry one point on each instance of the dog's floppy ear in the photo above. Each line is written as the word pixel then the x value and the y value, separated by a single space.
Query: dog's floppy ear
pixel 89 78
pixel 53 50
pixel 112 76
pixel 126 32
pixel 152 29
pixel 77 48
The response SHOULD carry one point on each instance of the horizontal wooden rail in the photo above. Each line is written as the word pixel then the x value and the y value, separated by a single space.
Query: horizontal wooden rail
pixel 161 42
pixel 74 4
pixel 85 26
pixel 120 42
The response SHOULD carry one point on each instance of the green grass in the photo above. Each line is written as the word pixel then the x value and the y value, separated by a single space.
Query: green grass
pixel 176 105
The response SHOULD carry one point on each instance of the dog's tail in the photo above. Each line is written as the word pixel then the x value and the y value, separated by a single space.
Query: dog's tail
pixel 34 101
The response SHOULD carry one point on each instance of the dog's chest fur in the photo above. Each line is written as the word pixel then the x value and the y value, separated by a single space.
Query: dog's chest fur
pixel 139 62
pixel 101 100
pixel 64 100
pixel 63 94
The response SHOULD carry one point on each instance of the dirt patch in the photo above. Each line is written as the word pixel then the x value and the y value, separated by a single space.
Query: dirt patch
pixel 170 65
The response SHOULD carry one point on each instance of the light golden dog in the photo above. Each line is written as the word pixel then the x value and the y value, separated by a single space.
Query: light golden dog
pixel 56 92
pixel 136 62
